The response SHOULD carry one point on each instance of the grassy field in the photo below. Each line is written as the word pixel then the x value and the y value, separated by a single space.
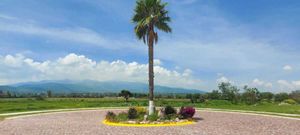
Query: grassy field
pixel 27 104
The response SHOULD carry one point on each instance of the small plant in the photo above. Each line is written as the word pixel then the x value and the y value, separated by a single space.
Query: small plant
pixel 153 117
pixel 187 112
pixel 290 101
pixel 138 115
pixel 141 110
pixel 110 116
pixel 132 113
pixel 170 110
pixel 123 116
pixel 171 117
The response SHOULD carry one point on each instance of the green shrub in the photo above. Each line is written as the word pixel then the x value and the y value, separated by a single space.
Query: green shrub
pixel 144 104
pixel 40 97
pixel 267 96
pixel 123 116
pixel 141 110
pixel 290 101
pixel 153 117
pixel 132 113
pixel 170 110
pixel 281 97
pixel 140 117
pixel 110 116
pixel 171 117
pixel 295 95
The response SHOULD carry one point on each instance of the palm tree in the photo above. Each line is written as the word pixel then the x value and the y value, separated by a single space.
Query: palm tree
pixel 149 16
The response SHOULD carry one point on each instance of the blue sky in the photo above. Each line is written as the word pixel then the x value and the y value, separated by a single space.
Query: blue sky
pixel 252 43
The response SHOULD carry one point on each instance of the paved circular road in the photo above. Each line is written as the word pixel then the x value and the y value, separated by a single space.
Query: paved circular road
pixel 90 123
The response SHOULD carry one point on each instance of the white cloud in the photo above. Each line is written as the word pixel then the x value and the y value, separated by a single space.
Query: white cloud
pixel 284 84
pixel 261 84
pixel 81 35
pixel 223 79
pixel 7 17
pixel 75 35
pixel 187 72
pixel 13 61
pixel 157 62
pixel 288 85
pixel 287 68
pixel 223 46
pixel 257 82
pixel 79 67
pixel 296 83
pixel 269 85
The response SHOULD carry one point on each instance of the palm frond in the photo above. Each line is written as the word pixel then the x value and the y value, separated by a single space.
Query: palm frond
pixel 150 14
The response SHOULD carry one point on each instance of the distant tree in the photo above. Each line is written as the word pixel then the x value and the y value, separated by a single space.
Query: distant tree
pixel 267 96
pixel 14 95
pixel 295 95
pixel 126 94
pixel 214 95
pixel 189 96
pixel 49 93
pixel 202 98
pixel 251 95
pixel 281 96
pixel 40 96
pixel 229 92
pixel 8 94
pixel 179 96
pixel 193 97
pixel 1 94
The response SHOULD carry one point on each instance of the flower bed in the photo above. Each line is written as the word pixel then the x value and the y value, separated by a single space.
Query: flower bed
pixel 137 116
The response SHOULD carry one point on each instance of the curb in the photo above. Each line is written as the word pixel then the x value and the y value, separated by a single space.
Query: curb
pixel 147 125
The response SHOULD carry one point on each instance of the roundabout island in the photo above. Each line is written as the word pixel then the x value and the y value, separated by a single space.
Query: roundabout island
pixel 90 122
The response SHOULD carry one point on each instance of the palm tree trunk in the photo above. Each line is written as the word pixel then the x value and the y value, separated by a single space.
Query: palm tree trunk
pixel 151 73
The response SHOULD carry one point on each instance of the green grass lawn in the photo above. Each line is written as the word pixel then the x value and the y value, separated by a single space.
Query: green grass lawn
pixel 27 104
pixel 264 107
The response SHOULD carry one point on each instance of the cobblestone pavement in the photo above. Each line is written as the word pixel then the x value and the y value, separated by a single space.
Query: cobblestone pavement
pixel 90 123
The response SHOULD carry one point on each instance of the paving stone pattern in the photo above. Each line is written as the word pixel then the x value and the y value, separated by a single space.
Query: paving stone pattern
pixel 90 123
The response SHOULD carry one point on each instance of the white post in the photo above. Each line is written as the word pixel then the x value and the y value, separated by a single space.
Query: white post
pixel 151 107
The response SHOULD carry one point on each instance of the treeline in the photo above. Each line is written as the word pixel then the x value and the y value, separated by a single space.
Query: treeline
pixel 50 94
pixel 227 91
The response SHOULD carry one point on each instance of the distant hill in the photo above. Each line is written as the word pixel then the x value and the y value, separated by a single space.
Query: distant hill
pixel 85 86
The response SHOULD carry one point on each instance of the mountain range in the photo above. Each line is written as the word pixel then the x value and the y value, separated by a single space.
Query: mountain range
pixel 90 86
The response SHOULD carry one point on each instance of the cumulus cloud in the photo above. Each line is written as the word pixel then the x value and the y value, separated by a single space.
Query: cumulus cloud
pixel 18 68
pixel 287 68
pixel 157 62
pixel 288 85
pixel 223 79
pixel 259 83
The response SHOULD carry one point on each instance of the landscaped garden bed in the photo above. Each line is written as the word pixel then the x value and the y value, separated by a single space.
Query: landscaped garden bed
pixel 138 116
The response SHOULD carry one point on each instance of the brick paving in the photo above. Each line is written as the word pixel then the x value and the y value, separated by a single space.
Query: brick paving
pixel 90 123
